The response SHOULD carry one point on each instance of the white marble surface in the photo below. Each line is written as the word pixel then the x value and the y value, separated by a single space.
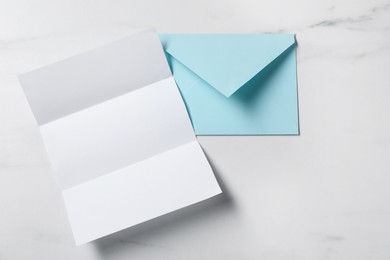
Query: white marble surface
pixel 322 195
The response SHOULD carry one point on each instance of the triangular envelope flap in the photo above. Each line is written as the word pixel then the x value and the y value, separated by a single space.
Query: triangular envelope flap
pixel 226 61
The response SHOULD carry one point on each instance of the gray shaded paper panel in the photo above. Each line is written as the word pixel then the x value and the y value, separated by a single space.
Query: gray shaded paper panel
pixel 88 79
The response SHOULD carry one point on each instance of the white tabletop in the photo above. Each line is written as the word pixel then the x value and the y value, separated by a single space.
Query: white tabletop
pixel 321 195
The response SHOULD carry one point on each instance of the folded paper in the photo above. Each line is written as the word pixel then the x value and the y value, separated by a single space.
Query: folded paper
pixel 118 135
pixel 236 84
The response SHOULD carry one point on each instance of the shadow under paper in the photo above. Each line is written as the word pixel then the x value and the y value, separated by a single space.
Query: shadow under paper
pixel 123 242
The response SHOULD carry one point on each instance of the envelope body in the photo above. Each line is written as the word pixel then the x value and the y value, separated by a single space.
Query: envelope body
pixel 236 84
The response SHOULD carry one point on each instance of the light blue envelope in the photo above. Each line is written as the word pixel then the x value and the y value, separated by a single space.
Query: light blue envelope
pixel 236 84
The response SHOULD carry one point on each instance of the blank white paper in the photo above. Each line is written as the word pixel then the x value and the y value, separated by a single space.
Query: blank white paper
pixel 118 132
pixel 97 75
pixel 118 136
pixel 183 178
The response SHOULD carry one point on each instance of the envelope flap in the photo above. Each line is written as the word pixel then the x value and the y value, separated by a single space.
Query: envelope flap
pixel 226 61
